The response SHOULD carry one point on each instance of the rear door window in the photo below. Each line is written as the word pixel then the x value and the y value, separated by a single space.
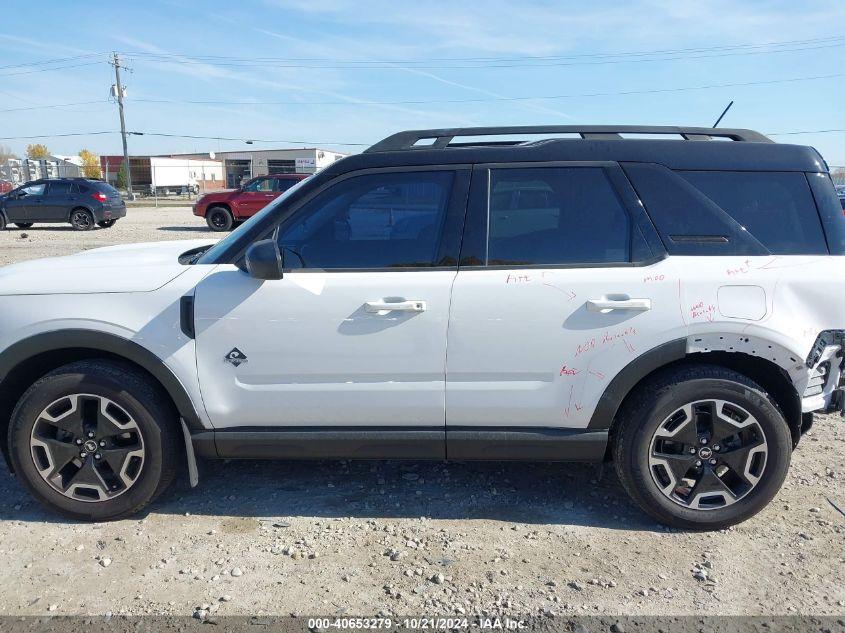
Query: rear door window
pixel 777 208
pixel 555 215
pixel 59 188
pixel 283 184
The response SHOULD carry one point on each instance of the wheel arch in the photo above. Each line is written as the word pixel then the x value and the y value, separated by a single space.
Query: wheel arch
pixel 26 361
pixel 222 205
pixel 80 207
pixel 769 375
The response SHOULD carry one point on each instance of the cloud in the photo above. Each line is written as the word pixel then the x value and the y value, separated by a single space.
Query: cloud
pixel 555 27
pixel 48 46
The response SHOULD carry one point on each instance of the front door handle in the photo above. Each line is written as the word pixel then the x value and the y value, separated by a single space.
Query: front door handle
pixel 385 307
pixel 606 305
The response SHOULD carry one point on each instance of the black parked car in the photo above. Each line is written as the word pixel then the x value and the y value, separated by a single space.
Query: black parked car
pixel 79 201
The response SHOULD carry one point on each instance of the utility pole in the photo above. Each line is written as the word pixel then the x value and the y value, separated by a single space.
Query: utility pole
pixel 119 91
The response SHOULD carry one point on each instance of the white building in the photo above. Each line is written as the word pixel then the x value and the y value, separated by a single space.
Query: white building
pixel 243 165
pixel 17 170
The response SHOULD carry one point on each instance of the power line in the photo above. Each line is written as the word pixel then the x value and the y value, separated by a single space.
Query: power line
pixel 229 58
pixel 53 105
pixel 765 82
pixel 189 136
pixel 61 135
pixel 46 62
pixel 44 70
pixel 824 41
pixel 620 93
pixel 805 132
pixel 378 65
pixel 468 62
pixel 249 140
pixel 170 56
pixel 495 99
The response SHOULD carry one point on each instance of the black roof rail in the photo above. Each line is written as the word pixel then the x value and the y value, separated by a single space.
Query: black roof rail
pixel 443 138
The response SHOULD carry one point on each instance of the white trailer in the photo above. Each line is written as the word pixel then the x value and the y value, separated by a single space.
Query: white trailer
pixel 172 176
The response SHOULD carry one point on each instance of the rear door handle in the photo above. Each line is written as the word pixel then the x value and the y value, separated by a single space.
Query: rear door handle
pixel 385 307
pixel 606 305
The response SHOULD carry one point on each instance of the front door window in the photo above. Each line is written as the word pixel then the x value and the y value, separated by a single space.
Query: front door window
pixel 379 221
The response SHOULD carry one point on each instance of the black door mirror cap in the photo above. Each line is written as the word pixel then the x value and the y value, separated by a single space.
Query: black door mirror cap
pixel 263 260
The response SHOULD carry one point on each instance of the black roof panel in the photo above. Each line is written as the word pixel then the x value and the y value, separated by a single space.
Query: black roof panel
pixel 674 154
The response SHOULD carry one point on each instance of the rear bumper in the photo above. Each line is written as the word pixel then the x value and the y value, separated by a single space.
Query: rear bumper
pixel 110 213
pixel 823 390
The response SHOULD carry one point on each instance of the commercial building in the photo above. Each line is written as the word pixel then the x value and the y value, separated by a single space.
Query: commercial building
pixel 164 175
pixel 243 165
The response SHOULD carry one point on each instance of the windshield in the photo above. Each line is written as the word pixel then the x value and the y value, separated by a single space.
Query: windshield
pixel 211 254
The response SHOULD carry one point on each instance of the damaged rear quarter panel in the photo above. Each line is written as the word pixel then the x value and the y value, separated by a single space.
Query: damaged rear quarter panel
pixel 773 307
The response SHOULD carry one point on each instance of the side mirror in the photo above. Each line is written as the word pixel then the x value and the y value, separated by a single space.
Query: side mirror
pixel 264 260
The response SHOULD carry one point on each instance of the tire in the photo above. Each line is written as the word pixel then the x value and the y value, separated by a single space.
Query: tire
pixel 137 441
pixel 2 222
pixel 81 219
pixel 654 423
pixel 219 219
pixel 24 225
pixel 106 224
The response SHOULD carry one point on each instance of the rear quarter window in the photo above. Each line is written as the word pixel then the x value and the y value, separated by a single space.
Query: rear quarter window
pixel 777 208
pixel 688 222
pixel 107 189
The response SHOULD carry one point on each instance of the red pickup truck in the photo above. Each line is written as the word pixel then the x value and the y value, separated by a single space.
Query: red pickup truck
pixel 222 209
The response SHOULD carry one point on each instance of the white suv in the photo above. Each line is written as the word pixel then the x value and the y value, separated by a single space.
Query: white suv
pixel 671 305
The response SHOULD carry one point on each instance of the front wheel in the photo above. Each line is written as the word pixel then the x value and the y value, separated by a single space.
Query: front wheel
pixel 219 219
pixel 94 440
pixel 105 224
pixel 81 220
pixel 702 447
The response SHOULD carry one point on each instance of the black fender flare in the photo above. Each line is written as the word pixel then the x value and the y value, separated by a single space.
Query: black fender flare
pixel 621 384
pixel 57 340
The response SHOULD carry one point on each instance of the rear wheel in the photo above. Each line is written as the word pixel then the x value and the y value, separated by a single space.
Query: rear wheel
pixel 81 220
pixel 23 225
pixel 702 447
pixel 105 224
pixel 219 219
pixel 94 440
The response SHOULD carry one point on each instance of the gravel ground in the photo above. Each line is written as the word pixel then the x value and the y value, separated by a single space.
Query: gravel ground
pixel 415 537
pixel 140 225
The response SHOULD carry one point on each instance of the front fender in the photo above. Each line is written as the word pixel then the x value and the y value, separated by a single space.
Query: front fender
pixel 79 339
